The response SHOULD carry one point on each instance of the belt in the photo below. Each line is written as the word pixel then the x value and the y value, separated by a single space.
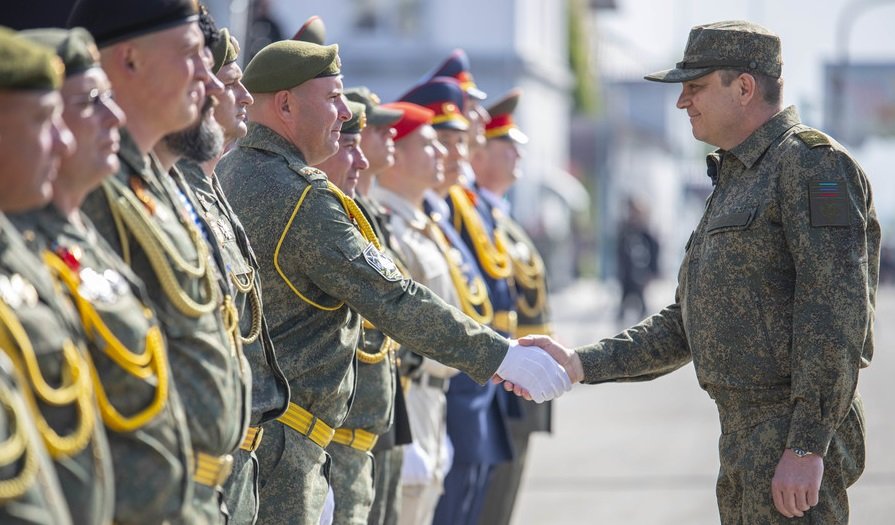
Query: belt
pixel 307 424
pixel 431 381
pixel 739 409
pixel 355 438
pixel 212 471
pixel 505 321
pixel 253 439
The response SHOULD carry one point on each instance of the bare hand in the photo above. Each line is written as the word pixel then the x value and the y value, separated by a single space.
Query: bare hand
pixel 568 359
pixel 796 483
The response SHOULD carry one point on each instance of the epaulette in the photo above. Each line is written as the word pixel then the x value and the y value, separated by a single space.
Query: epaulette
pixel 813 138
pixel 310 174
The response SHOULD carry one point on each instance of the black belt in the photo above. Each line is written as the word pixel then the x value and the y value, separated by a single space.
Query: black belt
pixel 431 381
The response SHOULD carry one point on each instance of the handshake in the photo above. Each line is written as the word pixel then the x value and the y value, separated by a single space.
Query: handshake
pixel 538 369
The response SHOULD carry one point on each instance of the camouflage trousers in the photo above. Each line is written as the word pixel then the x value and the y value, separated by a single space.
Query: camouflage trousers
pixel 241 489
pixel 352 482
pixel 749 457
pixel 387 499
pixel 294 474
pixel 205 506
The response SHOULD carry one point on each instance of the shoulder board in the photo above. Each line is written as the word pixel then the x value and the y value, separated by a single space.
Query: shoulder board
pixel 309 173
pixel 813 138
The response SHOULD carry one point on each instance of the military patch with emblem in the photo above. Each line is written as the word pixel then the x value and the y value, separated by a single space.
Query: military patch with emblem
pixel 381 263
pixel 829 203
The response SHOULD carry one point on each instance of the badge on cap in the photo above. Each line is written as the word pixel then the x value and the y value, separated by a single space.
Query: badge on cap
pixel 829 203
pixel 381 263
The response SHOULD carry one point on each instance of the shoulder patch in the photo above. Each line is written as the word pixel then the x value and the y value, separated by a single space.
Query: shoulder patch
pixel 829 203
pixel 813 138
pixel 381 262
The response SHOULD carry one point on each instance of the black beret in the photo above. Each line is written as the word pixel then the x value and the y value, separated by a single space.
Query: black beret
pixel 74 46
pixel 113 21
pixel 25 65
pixel 289 63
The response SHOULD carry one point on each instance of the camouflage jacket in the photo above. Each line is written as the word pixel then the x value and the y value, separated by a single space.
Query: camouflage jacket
pixel 320 276
pixel 776 292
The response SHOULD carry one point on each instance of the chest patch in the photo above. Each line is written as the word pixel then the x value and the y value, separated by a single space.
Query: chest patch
pixel 381 263
pixel 829 203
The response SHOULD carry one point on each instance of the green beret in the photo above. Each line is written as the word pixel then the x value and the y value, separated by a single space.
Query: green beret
pixel 289 63
pixel 358 120
pixel 376 114
pixel 313 30
pixel 74 46
pixel 224 50
pixel 113 21
pixel 25 65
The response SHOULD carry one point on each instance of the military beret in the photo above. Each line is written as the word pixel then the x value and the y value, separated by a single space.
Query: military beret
pixel 289 63
pixel 358 120
pixel 726 45
pixel 457 66
pixel 502 125
pixel 313 30
pixel 377 114
pixel 113 21
pixel 225 50
pixel 414 116
pixel 74 46
pixel 25 65
pixel 445 97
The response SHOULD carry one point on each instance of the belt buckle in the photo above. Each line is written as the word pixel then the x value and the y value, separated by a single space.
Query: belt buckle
pixel 256 441
pixel 226 467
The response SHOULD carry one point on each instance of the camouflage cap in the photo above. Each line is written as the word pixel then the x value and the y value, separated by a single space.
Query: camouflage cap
pixel 112 21
pixel 377 114
pixel 74 46
pixel 732 44
pixel 25 65
pixel 313 30
pixel 502 125
pixel 289 63
pixel 358 120
pixel 225 50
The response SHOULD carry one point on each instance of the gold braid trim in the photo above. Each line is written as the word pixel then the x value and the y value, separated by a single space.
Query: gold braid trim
pixel 387 347
pixel 152 362
pixel 76 388
pixel 159 251
pixel 14 448
pixel 473 295
pixel 251 291
pixel 529 275
pixel 494 257
pixel 230 315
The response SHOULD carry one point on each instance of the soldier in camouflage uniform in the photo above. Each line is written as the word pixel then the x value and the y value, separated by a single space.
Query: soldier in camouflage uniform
pixel 153 54
pixel 270 391
pixel 39 330
pixel 776 292
pixel 141 412
pixel 323 270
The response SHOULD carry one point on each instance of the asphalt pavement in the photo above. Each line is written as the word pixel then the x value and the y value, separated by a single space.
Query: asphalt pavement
pixel 646 453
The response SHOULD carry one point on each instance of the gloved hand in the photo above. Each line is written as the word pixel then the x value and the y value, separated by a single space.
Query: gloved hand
pixel 532 369
pixel 417 467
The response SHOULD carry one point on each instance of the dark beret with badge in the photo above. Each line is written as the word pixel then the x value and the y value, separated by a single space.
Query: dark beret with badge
pixel 358 120
pixel 445 97
pixel 27 66
pixel 288 63
pixel 457 66
pixel 224 50
pixel 735 44
pixel 377 114
pixel 113 21
pixel 74 46
pixel 313 30
pixel 502 125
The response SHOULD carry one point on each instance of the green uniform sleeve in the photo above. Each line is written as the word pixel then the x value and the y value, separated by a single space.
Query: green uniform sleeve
pixel 833 236
pixel 406 311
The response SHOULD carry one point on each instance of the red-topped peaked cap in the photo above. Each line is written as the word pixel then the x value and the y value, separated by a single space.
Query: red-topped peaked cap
pixel 456 65
pixel 414 116
pixel 445 97
pixel 502 125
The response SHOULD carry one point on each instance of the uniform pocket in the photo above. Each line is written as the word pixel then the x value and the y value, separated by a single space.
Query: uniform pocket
pixel 739 220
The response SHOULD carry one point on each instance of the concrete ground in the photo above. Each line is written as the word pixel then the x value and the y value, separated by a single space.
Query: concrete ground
pixel 646 453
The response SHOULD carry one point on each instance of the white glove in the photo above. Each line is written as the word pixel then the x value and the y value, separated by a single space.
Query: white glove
pixel 534 370
pixel 417 466
pixel 329 506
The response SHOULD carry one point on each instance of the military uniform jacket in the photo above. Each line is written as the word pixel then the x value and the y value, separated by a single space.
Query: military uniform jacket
pixel 51 330
pixel 270 391
pixel 320 275
pixel 776 292
pixel 143 415
pixel 204 363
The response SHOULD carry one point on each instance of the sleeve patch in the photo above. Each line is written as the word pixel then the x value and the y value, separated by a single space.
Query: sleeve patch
pixel 829 203
pixel 813 138
pixel 380 262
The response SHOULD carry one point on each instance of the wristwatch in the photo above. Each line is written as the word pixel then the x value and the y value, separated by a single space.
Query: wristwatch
pixel 801 452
